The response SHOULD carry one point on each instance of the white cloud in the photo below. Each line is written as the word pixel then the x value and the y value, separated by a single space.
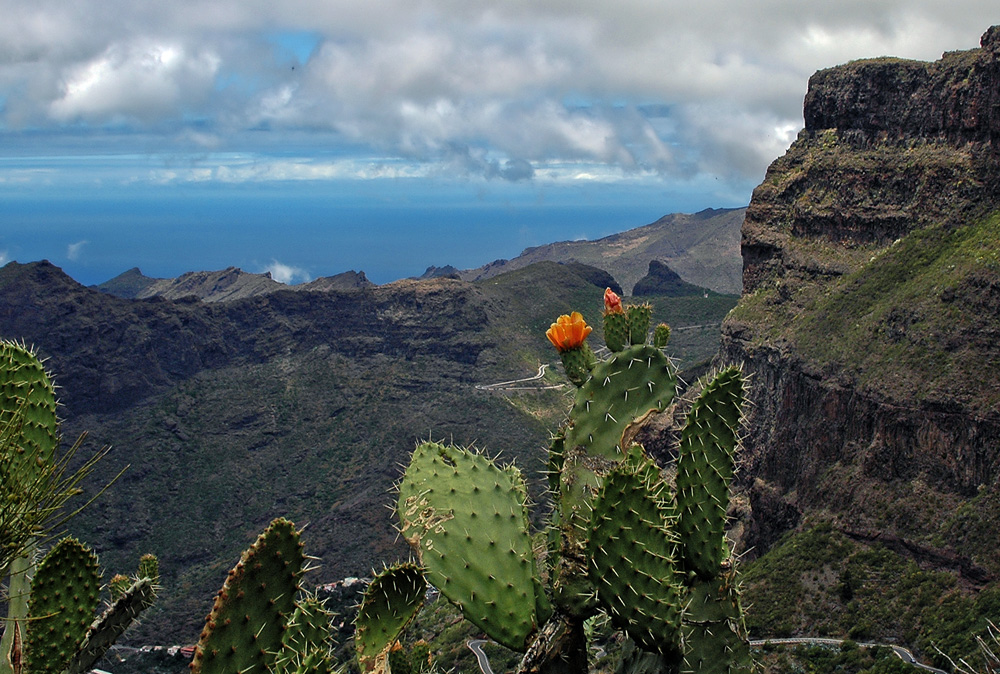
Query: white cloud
pixel 3 257
pixel 145 80
pixel 73 250
pixel 287 274
pixel 466 86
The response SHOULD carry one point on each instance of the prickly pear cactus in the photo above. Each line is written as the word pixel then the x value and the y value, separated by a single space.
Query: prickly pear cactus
pixel 26 390
pixel 467 519
pixel 622 390
pixel 29 434
pixel 652 557
pixel 65 593
pixel 306 639
pixel 390 603
pixel 111 624
pixel 632 550
pixel 705 470
pixel 243 631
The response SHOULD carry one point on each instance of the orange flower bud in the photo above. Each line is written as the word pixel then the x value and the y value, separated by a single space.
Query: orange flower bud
pixel 612 303
pixel 568 332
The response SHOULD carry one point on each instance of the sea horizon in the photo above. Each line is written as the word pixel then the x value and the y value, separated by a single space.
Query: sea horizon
pixel 388 231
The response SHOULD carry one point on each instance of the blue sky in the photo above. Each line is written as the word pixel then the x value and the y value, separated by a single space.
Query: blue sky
pixel 315 136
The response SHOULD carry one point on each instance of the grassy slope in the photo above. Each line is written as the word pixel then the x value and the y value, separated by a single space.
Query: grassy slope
pixel 819 582
pixel 917 325
pixel 919 322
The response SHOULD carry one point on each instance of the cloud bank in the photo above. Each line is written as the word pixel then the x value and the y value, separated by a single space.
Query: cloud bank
pixel 506 91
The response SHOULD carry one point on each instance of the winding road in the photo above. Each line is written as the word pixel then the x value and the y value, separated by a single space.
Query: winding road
pixel 513 385
pixel 476 646
pixel 903 654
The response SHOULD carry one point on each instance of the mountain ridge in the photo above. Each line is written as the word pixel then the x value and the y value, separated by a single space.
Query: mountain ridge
pixel 223 285
pixel 702 247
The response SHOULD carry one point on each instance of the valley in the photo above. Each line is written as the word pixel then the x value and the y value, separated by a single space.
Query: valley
pixel 868 482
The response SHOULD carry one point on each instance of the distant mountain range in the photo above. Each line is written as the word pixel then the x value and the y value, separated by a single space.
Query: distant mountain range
pixel 220 286
pixel 702 249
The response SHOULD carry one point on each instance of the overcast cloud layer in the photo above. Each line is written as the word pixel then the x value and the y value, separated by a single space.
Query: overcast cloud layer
pixel 240 90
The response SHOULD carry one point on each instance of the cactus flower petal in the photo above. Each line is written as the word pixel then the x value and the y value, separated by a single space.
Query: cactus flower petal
pixel 612 302
pixel 568 332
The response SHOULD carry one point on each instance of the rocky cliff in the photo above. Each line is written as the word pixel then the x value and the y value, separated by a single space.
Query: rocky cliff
pixel 870 313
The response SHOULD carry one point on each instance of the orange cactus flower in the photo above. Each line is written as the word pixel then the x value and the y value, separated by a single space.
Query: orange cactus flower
pixel 568 332
pixel 612 303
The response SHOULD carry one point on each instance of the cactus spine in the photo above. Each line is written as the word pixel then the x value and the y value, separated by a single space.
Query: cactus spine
pixel 50 625
pixel 623 541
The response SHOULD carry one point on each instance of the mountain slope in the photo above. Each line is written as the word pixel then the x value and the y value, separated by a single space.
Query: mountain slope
pixel 702 247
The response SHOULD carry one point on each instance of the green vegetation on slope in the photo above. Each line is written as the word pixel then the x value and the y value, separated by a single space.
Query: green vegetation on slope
pixel 820 582
pixel 920 321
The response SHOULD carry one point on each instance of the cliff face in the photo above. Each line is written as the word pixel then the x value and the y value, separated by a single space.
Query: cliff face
pixel 870 313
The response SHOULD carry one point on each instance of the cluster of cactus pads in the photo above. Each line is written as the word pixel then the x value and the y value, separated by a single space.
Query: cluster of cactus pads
pixel 51 625
pixel 264 622
pixel 650 554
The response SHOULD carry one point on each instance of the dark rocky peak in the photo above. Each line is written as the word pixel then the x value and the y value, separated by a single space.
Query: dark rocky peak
pixel 598 277
pixel 213 286
pixel 128 285
pixel 446 271
pixel 662 280
pixel 348 280
pixel 957 97
pixel 30 277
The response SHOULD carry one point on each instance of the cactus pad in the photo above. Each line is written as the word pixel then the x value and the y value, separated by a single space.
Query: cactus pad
pixel 26 390
pixel 64 596
pixel 390 603
pixel 126 608
pixel 622 391
pixel 149 567
pixel 705 469
pixel 715 649
pixel 616 330
pixel 661 336
pixel 306 639
pixel 632 560
pixel 243 631
pixel 639 317
pixel 467 520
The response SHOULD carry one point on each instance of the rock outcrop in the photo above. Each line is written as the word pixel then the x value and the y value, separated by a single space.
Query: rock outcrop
pixel 871 304
pixel 662 280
